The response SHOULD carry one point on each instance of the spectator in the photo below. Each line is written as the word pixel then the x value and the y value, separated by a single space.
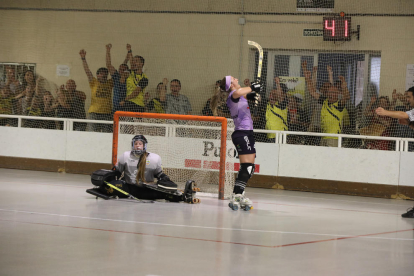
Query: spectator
pixel 297 119
pixel 77 104
pixel 401 130
pixel 48 100
pixel 158 104
pixel 6 105
pixel 314 106
pixel 378 125
pixel 332 107
pixel 135 87
pixel 119 77
pixel 177 103
pixel 101 95
pixel 70 103
pixel 13 88
pixel 26 96
pixel 276 111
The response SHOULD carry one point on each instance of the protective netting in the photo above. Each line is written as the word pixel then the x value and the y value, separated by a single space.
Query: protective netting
pixel 82 61
pixel 190 150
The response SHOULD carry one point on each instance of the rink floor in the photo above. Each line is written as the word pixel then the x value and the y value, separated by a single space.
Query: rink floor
pixel 50 226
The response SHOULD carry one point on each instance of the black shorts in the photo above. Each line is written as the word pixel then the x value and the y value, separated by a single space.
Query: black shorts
pixel 243 140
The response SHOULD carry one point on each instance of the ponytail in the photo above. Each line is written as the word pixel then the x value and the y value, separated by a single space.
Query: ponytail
pixel 141 168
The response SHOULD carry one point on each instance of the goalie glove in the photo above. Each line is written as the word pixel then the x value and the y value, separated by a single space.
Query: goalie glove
pixel 255 86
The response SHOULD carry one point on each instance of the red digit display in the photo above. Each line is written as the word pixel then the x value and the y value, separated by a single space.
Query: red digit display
pixel 332 27
pixel 336 28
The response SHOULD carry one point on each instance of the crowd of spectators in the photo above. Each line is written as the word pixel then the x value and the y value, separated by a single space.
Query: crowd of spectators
pixel 327 109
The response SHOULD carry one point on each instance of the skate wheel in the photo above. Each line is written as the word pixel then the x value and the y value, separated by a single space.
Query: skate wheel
pixel 198 200
pixel 247 208
pixel 233 206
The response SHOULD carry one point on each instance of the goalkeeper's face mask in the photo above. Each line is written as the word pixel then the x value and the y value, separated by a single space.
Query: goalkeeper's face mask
pixel 139 147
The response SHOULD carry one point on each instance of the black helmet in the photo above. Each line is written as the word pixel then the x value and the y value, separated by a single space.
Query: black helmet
pixel 143 140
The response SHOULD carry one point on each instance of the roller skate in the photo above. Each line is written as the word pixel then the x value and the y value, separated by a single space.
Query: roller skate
pixel 190 191
pixel 240 201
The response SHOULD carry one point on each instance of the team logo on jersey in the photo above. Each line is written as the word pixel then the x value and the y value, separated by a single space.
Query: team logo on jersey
pixel 148 162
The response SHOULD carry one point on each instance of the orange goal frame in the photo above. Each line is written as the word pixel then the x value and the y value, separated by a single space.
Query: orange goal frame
pixel 223 137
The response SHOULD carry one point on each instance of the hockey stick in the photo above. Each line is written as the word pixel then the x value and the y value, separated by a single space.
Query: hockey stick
pixel 259 72
pixel 127 194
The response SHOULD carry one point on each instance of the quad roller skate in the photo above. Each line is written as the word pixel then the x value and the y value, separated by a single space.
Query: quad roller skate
pixel 190 191
pixel 240 201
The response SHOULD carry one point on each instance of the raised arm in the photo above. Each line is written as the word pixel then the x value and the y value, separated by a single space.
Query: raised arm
pixel 111 69
pixel 129 54
pixel 344 91
pixel 243 91
pixel 330 74
pixel 393 114
pixel 88 72
pixel 309 81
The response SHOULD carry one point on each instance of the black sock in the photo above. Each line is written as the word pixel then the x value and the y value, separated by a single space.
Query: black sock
pixel 239 187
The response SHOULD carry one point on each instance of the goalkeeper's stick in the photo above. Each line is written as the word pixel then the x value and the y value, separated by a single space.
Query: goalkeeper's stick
pixel 259 72
pixel 127 194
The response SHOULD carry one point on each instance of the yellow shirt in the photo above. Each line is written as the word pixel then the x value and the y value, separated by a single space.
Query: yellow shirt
pixel 6 105
pixel 101 96
pixel 131 84
pixel 276 119
pixel 331 118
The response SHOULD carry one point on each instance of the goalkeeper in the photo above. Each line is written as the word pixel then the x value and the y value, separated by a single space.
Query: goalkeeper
pixel 139 168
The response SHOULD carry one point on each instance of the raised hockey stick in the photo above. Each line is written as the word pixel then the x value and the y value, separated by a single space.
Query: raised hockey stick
pixel 259 72
pixel 127 194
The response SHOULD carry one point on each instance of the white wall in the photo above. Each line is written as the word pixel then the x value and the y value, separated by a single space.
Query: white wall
pixel 338 164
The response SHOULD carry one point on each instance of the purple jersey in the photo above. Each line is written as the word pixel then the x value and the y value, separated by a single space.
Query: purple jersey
pixel 240 112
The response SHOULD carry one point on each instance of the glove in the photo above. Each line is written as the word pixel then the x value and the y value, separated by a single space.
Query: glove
pixel 255 86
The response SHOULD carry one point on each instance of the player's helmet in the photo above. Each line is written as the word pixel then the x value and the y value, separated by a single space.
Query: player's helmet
pixel 143 140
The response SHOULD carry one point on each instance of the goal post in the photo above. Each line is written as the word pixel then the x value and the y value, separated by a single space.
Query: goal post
pixel 141 123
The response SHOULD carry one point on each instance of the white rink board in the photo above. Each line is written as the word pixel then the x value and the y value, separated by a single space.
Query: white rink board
pixel 353 165
pixel 33 143
pixel 340 164
pixel 406 169
pixel 89 147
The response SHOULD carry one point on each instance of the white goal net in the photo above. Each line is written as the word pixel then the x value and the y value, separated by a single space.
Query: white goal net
pixel 189 148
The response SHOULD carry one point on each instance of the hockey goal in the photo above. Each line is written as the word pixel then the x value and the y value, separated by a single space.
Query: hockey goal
pixel 191 147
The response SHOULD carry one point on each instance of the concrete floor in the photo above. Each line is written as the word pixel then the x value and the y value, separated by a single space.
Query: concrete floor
pixel 50 226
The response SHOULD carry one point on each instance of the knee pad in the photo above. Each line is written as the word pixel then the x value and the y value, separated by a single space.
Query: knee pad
pixel 246 171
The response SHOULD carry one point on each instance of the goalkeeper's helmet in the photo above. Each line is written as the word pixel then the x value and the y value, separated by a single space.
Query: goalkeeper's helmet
pixel 143 140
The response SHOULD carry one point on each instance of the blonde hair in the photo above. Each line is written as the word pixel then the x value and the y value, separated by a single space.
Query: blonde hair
pixel 141 167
